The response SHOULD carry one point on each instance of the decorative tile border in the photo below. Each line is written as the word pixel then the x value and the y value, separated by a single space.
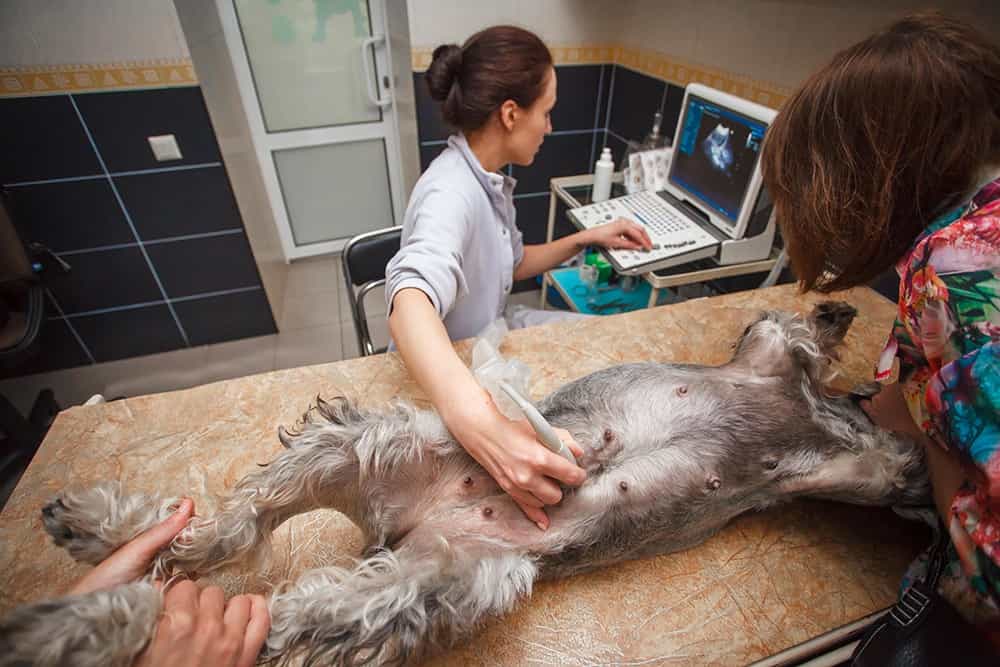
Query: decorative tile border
pixel 652 63
pixel 564 54
pixel 47 80
pixel 681 73
pixel 24 81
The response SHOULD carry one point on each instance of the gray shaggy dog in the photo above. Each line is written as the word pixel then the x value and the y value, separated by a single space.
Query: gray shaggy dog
pixel 672 451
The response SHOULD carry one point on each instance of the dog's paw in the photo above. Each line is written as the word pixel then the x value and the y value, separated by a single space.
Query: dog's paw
pixel 74 521
pixel 835 313
pixel 92 523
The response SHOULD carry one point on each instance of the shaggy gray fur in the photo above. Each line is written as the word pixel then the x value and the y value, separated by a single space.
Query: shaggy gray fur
pixel 673 453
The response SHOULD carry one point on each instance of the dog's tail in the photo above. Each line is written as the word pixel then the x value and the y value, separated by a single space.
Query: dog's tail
pixel 394 607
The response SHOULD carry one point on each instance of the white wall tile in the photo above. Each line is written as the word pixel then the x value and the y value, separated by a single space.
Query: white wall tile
pixel 56 32
pixel 434 22
pixel 781 41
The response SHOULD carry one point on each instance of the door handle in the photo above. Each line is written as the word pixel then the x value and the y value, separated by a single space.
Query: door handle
pixel 380 102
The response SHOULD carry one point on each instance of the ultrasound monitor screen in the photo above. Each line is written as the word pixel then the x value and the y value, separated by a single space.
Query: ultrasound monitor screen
pixel 715 155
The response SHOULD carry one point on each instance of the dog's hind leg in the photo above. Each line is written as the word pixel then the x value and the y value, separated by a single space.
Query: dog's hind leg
pixel 92 523
pixel 105 628
pixel 319 469
pixel 396 606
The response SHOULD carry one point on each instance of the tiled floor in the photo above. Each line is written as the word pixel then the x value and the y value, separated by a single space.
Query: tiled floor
pixel 314 327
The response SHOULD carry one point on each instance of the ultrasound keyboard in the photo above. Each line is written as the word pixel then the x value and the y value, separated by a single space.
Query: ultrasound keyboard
pixel 676 239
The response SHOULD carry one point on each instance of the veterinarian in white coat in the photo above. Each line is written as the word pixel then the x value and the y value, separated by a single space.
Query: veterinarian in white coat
pixel 462 251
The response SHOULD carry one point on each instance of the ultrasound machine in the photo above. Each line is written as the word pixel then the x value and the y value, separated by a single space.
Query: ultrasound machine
pixel 714 205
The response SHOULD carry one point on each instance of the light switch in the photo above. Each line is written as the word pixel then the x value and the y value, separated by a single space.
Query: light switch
pixel 165 147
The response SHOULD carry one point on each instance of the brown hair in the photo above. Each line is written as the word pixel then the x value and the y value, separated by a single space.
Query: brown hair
pixel 865 154
pixel 494 65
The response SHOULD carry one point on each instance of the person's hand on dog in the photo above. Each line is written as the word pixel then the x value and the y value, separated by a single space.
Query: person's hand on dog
pixel 510 452
pixel 887 409
pixel 198 628
pixel 132 560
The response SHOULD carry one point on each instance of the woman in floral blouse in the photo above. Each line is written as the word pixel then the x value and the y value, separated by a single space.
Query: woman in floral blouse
pixel 890 157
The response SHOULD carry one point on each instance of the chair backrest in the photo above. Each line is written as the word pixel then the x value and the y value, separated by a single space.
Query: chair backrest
pixel 364 259
pixel 22 304
pixel 15 265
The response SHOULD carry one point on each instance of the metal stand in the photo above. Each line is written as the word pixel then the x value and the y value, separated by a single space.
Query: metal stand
pixel 685 274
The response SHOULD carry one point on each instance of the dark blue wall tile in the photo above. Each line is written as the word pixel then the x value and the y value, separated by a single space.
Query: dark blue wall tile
pixel 430 124
pixel 428 153
pixel 560 155
pixel 56 347
pixel 563 227
pixel 226 317
pixel 177 203
pixel 634 100
pixel 43 138
pixel 104 279
pixel 532 218
pixel 72 215
pixel 129 333
pixel 576 97
pixel 204 265
pixel 605 97
pixel 120 123
pixel 672 110
pixel 40 138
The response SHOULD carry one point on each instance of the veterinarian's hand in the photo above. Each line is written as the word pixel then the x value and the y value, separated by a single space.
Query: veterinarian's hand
pixel 522 466
pixel 887 409
pixel 621 233
pixel 199 628
pixel 132 559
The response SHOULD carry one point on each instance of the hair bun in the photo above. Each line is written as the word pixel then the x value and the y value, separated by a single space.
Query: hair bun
pixel 444 70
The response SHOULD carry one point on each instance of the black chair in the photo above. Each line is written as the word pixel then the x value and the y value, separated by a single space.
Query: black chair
pixel 364 259
pixel 22 309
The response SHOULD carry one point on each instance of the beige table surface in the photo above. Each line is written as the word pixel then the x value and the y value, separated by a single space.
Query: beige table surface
pixel 766 582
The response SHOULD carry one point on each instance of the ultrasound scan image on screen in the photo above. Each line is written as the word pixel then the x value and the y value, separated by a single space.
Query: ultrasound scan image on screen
pixel 715 155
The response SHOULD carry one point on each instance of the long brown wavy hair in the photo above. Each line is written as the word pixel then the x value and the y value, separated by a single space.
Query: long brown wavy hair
pixel 874 145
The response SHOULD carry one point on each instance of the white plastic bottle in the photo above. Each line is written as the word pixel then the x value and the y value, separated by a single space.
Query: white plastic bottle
pixel 602 176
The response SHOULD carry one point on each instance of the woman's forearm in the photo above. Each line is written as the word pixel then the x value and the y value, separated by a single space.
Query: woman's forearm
pixel 540 258
pixel 946 476
pixel 507 450
pixel 423 342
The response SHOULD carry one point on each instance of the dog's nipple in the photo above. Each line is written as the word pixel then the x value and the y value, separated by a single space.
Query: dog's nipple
pixel 467 481
pixel 487 512
pixel 681 390
pixel 623 485
pixel 713 483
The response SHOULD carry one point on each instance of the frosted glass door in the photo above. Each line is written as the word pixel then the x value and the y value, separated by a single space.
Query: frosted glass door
pixel 307 62
pixel 316 81
pixel 325 186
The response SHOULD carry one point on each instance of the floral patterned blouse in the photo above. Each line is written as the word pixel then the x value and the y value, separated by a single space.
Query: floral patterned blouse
pixel 947 337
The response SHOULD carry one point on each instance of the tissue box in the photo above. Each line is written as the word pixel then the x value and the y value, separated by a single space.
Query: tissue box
pixel 647 170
